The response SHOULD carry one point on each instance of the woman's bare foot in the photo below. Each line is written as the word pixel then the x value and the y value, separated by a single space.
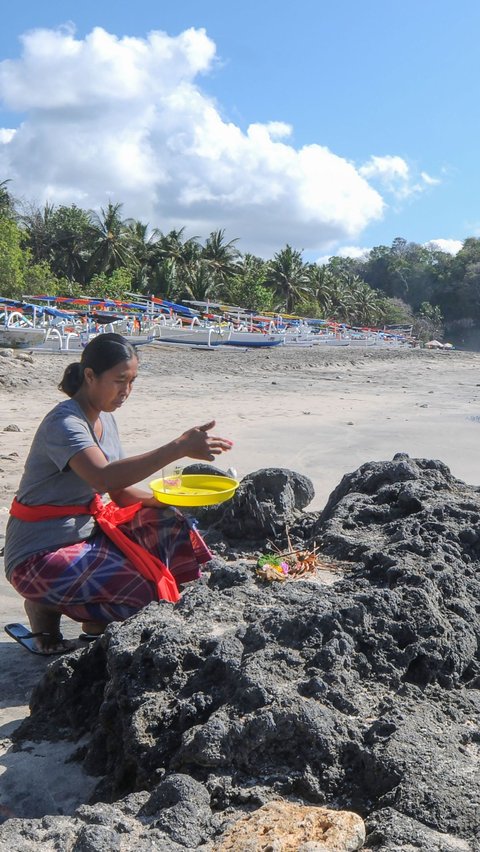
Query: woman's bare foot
pixel 93 628
pixel 44 619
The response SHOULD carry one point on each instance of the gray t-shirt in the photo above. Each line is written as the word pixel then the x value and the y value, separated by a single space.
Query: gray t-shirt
pixel 47 479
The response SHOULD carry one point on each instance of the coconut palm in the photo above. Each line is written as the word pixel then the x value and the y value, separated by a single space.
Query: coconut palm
pixel 287 275
pixel 320 282
pixel 169 261
pixel 163 279
pixel 366 307
pixel 198 282
pixel 38 224
pixel 174 247
pixel 221 257
pixel 339 301
pixel 72 243
pixel 142 243
pixel 112 248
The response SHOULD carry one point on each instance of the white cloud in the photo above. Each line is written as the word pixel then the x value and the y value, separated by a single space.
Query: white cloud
pixel 6 134
pixel 449 246
pixel 278 129
pixel 429 180
pixel 126 119
pixel 353 251
pixel 388 168
pixel 395 176
pixel 345 251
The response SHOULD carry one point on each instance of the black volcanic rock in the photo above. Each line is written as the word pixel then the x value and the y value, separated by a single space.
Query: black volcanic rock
pixel 362 694
pixel 265 503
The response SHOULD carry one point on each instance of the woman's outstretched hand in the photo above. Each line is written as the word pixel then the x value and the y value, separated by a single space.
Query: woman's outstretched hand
pixel 196 443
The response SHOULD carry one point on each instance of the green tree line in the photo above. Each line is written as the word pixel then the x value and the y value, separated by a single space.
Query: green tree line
pixel 66 250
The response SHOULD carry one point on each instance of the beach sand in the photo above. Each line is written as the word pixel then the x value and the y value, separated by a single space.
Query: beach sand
pixel 321 412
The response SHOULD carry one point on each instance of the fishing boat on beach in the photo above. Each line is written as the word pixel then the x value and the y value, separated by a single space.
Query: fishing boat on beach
pixel 17 330
pixel 252 339
pixel 21 336
pixel 240 328
pixel 67 323
pixel 205 336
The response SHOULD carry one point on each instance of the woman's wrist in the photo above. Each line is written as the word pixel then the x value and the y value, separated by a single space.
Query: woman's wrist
pixel 175 449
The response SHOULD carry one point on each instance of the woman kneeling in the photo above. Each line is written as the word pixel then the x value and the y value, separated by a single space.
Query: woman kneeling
pixel 66 551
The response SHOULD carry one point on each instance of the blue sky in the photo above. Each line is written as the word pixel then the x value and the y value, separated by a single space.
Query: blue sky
pixel 363 117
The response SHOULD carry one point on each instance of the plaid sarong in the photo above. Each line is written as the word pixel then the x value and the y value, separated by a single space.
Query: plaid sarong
pixel 93 581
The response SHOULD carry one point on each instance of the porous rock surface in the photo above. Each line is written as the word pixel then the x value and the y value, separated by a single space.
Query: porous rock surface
pixel 291 827
pixel 264 503
pixel 361 696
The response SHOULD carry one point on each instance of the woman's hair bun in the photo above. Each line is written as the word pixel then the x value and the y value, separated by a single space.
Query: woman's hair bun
pixel 72 379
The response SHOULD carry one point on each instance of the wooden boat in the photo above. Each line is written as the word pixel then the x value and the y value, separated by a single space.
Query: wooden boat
pixel 331 340
pixel 18 332
pixel 205 336
pixel 299 335
pixel 253 339
pixel 21 337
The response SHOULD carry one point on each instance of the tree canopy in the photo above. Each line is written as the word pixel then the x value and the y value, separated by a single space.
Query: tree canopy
pixel 65 249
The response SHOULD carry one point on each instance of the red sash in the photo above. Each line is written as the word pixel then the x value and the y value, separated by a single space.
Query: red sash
pixel 108 517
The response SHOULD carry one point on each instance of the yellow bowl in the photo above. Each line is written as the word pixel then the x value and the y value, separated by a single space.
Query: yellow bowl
pixel 194 490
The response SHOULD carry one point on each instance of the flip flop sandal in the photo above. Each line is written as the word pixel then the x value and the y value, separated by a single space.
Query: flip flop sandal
pixel 26 638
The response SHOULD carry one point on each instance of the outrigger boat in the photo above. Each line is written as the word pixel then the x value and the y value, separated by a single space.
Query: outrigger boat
pixel 205 336
pixel 252 339
pixel 17 330
pixel 70 322
pixel 21 336
pixel 65 324
pixel 240 327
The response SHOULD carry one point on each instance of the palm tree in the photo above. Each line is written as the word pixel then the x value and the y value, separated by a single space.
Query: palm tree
pixel 331 292
pixel 338 301
pixel 174 247
pixel 221 257
pixel 320 282
pixel 72 243
pixel 366 306
pixel 170 258
pixel 142 244
pixel 288 277
pixel 198 282
pixel 112 249
pixel 163 279
pixel 38 224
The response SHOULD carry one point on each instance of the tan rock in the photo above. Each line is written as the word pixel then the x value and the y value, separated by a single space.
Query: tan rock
pixel 289 827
